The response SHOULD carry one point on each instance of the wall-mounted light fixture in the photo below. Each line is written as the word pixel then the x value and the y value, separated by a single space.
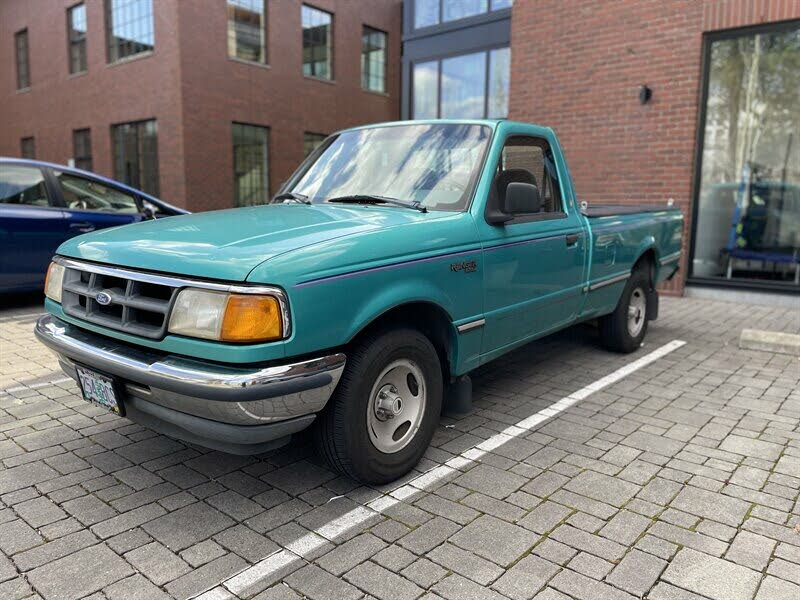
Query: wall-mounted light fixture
pixel 645 93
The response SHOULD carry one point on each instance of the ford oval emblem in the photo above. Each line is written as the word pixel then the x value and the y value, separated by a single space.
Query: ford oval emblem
pixel 103 298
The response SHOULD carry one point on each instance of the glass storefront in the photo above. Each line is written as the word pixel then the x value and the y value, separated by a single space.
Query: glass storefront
pixel 748 202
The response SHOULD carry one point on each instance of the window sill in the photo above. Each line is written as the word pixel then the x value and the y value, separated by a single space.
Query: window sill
pixel 375 93
pixel 320 79
pixel 132 58
pixel 78 74
pixel 24 90
pixel 252 63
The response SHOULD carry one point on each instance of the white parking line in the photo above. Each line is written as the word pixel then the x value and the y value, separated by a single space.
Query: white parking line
pixel 247 581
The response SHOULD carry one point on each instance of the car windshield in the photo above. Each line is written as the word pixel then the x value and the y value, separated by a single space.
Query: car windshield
pixel 432 164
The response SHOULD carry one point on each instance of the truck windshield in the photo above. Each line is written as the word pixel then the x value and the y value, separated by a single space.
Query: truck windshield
pixel 433 164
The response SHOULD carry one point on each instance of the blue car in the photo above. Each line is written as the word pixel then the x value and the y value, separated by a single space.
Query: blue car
pixel 43 204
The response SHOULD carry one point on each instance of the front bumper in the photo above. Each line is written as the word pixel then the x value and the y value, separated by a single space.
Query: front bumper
pixel 238 409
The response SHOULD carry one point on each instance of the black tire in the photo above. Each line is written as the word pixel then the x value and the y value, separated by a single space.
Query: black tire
pixel 614 330
pixel 341 431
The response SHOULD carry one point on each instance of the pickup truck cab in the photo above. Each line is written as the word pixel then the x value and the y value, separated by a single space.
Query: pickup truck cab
pixel 398 258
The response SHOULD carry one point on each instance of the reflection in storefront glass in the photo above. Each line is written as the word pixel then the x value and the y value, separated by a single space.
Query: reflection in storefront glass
pixel 748 217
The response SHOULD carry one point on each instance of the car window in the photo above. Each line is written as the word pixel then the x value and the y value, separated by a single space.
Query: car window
pixel 22 185
pixel 530 160
pixel 80 193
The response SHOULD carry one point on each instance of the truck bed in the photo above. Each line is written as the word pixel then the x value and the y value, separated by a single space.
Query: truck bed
pixel 612 210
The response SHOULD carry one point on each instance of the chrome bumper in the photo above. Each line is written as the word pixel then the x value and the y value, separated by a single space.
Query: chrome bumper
pixel 202 396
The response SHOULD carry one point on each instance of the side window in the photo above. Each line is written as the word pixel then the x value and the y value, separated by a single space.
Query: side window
pixel 22 185
pixel 84 194
pixel 530 160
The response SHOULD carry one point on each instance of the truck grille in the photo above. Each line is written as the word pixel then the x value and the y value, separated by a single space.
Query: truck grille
pixel 128 305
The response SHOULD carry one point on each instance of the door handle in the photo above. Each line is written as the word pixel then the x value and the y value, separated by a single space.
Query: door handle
pixel 572 238
pixel 82 226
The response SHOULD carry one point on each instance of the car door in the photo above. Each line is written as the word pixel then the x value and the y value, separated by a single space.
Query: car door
pixel 31 227
pixel 90 204
pixel 533 263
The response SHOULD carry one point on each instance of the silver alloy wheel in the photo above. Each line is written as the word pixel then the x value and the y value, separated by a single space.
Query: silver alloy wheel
pixel 396 406
pixel 637 309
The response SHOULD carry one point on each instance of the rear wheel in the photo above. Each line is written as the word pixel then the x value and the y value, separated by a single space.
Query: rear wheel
pixel 385 409
pixel 624 329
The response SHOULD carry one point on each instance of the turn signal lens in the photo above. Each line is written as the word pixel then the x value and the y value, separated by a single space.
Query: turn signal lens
pixel 251 318
pixel 225 317
pixel 54 281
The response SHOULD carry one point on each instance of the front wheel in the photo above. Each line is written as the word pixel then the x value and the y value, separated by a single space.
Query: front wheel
pixel 384 412
pixel 624 329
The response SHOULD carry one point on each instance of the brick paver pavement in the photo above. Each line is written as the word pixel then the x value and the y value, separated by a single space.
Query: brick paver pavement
pixel 679 481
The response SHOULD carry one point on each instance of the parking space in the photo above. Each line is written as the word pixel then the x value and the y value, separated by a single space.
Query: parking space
pixel 670 473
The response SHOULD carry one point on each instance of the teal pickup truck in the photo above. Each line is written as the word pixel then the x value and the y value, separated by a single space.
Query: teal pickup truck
pixel 398 258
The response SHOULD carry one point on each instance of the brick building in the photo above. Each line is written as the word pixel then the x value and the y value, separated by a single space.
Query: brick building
pixel 208 103
pixel 719 81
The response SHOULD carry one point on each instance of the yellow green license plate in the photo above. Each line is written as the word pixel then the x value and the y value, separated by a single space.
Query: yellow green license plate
pixel 99 389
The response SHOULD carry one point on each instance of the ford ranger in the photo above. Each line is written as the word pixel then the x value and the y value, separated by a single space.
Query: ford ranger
pixel 398 258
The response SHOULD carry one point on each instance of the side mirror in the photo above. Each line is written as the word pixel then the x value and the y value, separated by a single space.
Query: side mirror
pixel 522 198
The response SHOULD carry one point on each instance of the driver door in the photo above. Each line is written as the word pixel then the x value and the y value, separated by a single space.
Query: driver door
pixel 90 205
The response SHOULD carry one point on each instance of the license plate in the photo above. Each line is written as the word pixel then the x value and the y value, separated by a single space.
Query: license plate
pixel 98 389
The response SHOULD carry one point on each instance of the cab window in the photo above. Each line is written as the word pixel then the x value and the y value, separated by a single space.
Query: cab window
pixel 23 185
pixel 530 160
pixel 85 194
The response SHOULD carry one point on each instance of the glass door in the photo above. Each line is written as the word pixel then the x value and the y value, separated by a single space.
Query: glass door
pixel 747 219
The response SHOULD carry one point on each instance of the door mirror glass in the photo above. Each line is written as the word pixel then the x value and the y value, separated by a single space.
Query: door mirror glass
pixel 522 198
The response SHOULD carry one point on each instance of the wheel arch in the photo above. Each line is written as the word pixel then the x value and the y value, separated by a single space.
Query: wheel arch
pixel 426 316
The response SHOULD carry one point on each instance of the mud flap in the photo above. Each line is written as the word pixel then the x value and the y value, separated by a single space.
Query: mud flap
pixel 652 305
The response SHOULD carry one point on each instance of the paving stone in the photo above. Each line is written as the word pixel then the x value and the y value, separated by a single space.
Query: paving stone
pixel 455 587
pixel 602 488
pixel 591 566
pixel 554 551
pixel 235 505
pixel 586 588
pixel 750 447
pixel 784 570
pixel 18 536
pixel 637 572
pixel 317 584
pixel 157 563
pixel 429 535
pixel 773 588
pixel 202 553
pixel 394 558
pixel 53 550
pixel 709 505
pixel 525 578
pixel 23 476
pixel 298 477
pixel 381 583
pixel 423 572
pixel 495 540
pixel 465 563
pixel 246 543
pixel 588 542
pixel 187 526
pixel 205 577
pixel 127 521
pixel 710 576
pixel 545 517
pixel 751 550
pixel 491 481
pixel 351 553
pixel 649 442
pixel 134 588
pixel 89 509
pixel 625 527
pixel 79 574
pixel 40 511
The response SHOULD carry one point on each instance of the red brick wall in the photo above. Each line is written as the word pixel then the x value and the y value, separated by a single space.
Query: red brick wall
pixel 577 66
pixel 191 87
pixel 57 102
pixel 218 91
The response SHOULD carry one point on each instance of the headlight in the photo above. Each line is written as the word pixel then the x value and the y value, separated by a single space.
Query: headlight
pixel 227 317
pixel 54 281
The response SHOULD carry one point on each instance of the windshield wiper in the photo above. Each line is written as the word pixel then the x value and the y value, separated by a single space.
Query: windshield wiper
pixel 373 199
pixel 294 196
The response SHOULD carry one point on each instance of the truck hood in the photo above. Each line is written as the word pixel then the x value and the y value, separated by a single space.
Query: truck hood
pixel 228 244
